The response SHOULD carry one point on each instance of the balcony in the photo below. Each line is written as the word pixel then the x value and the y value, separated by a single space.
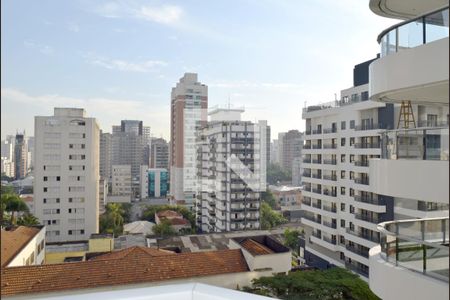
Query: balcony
pixel 369 127
pixel 360 234
pixel 306 201
pixel 360 252
pixel 329 161
pixel 308 132
pixel 317 146
pixel 307 188
pixel 330 130
pixel 316 161
pixel 329 177
pixel 317 234
pixel 317 205
pixel 306 174
pixel 329 240
pixel 307 160
pixel 329 208
pixel 329 224
pixel 361 163
pixel 414 251
pixel 369 200
pixel 368 218
pixel 316 176
pixel 317 191
pixel 367 145
pixel 307 146
pixel 317 131
pixel 331 194
pixel 357 269
pixel 364 181
pixel 312 219
pixel 329 146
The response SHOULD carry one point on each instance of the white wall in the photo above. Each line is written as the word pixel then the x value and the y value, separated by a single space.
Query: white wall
pixel 390 282
pixel 28 250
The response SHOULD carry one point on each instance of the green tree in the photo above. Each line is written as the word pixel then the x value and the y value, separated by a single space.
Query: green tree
pixel 269 217
pixel 335 283
pixel 164 229
pixel 275 173
pixel 269 198
pixel 28 220
pixel 13 204
pixel 116 212
pixel 291 239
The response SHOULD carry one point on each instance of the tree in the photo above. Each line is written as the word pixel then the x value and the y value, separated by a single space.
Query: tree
pixel 275 173
pixel 116 212
pixel 28 220
pixel 114 217
pixel 291 239
pixel 14 204
pixel 164 229
pixel 335 283
pixel 269 198
pixel 269 217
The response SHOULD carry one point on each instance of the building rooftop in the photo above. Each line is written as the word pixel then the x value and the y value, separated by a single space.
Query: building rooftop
pixel 168 214
pixel 261 245
pixel 14 240
pixel 254 247
pixel 130 266
pixel 144 227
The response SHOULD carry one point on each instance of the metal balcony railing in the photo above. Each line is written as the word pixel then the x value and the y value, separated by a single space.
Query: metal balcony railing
pixel 373 238
pixel 419 245
pixel 317 146
pixel 367 145
pixel 308 132
pixel 330 193
pixel 361 163
pixel 329 208
pixel 357 269
pixel 329 146
pixel 307 188
pixel 317 131
pixel 317 191
pixel 361 252
pixel 313 219
pixel 370 200
pixel 306 174
pixel 306 201
pixel 329 240
pixel 369 127
pixel 317 205
pixel 316 161
pixel 364 181
pixel 307 146
pixel 368 218
pixel 329 161
pixel 317 234
pixel 307 160
pixel 328 224
pixel 414 32
pixel 329 177
pixel 317 176
pixel 330 130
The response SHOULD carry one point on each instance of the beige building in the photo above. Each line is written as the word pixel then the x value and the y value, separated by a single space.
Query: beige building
pixel 23 246
pixel 189 96
pixel 66 183
pixel 287 195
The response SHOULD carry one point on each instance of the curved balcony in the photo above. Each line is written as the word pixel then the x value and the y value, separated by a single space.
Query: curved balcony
pixel 413 253
pixel 413 63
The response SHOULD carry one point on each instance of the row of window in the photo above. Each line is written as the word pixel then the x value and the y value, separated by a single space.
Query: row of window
pixel 54 189
pixel 58 168
pixel 57 222
pixel 57 211
pixel 57 200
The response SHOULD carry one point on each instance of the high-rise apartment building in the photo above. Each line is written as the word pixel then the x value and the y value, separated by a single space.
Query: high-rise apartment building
pixel 159 154
pixel 66 183
pixel 154 182
pixel 105 155
pixel 342 207
pixel 412 261
pixel 7 157
pixel 274 151
pixel 189 102
pixel 227 200
pixel 121 184
pixel 291 148
pixel 280 148
pixel 20 156
pixel 30 154
pixel 297 171
pixel 129 142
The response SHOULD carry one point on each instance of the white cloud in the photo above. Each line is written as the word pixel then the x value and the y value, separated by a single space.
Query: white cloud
pixel 44 49
pixel 166 14
pixel 107 111
pixel 126 66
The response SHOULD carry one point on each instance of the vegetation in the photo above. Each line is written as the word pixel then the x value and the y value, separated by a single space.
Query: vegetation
pixel 164 229
pixel 12 204
pixel 149 213
pixel 28 220
pixel 115 216
pixel 275 173
pixel 335 283
pixel 291 239
pixel 269 217
pixel 269 198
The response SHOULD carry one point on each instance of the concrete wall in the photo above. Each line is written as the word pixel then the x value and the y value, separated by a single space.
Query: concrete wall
pixel 31 249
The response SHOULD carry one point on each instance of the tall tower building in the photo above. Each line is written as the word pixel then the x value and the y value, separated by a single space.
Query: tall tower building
pixel 66 183
pixel 159 154
pixel 105 155
pixel 291 148
pixel 189 102
pixel 20 156
pixel 227 200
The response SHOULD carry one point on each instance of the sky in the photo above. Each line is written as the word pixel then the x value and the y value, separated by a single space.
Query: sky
pixel 119 59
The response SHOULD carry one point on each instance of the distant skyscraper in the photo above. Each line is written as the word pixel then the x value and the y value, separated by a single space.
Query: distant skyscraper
pixel 105 155
pixel 129 141
pixel 291 148
pixel 30 145
pixel 159 156
pixel 188 98
pixel 20 156
pixel 274 151
pixel 66 181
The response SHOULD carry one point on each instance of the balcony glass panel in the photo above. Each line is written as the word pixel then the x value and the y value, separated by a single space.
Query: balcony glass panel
pixel 436 26
pixel 410 35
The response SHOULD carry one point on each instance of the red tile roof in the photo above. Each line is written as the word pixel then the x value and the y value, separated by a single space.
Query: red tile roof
pixel 169 214
pixel 255 248
pixel 129 266
pixel 13 241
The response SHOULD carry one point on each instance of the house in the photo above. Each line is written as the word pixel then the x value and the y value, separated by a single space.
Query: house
pixel 175 219
pixel 22 246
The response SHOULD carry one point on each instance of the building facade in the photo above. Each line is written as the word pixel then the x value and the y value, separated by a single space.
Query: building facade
pixel 66 183
pixel 291 148
pixel 226 200
pixel 105 155
pixel 20 156
pixel 189 102
pixel 413 167
pixel 121 184
pixel 159 154
pixel 154 182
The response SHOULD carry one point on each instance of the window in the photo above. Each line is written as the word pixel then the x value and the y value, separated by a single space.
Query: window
pixel 352 141
pixel 352 175
pixel 431 120
pixel 342 142
pixel 342 206
pixel 342 190
pixel 45 178
pixel 342 158
pixel 352 209
pixel 365 96
pixel 45 190
pixel 82 231
pixel 343 223
pixel 70 232
pixel 343 125
pixel 352 192
pixel 342 174
pixel 58 178
pixel 352 124
pixel 352 158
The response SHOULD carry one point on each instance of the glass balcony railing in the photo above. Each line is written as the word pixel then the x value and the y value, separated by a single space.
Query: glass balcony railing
pixel 415 143
pixel 419 245
pixel 415 32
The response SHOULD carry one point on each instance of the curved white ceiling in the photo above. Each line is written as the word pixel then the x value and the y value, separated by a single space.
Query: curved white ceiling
pixel 401 9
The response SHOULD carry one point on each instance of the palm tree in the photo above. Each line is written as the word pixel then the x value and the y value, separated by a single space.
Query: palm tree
pixel 28 220
pixel 116 212
pixel 13 203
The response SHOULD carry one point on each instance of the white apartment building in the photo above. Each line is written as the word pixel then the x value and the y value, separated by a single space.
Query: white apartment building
pixel 412 261
pixel 105 155
pixel 274 151
pixel 159 153
pixel 189 103
pixel 121 184
pixel 7 167
pixel 225 200
pixel 66 183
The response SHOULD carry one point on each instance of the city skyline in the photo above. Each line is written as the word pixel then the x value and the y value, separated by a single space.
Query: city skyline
pixel 94 56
